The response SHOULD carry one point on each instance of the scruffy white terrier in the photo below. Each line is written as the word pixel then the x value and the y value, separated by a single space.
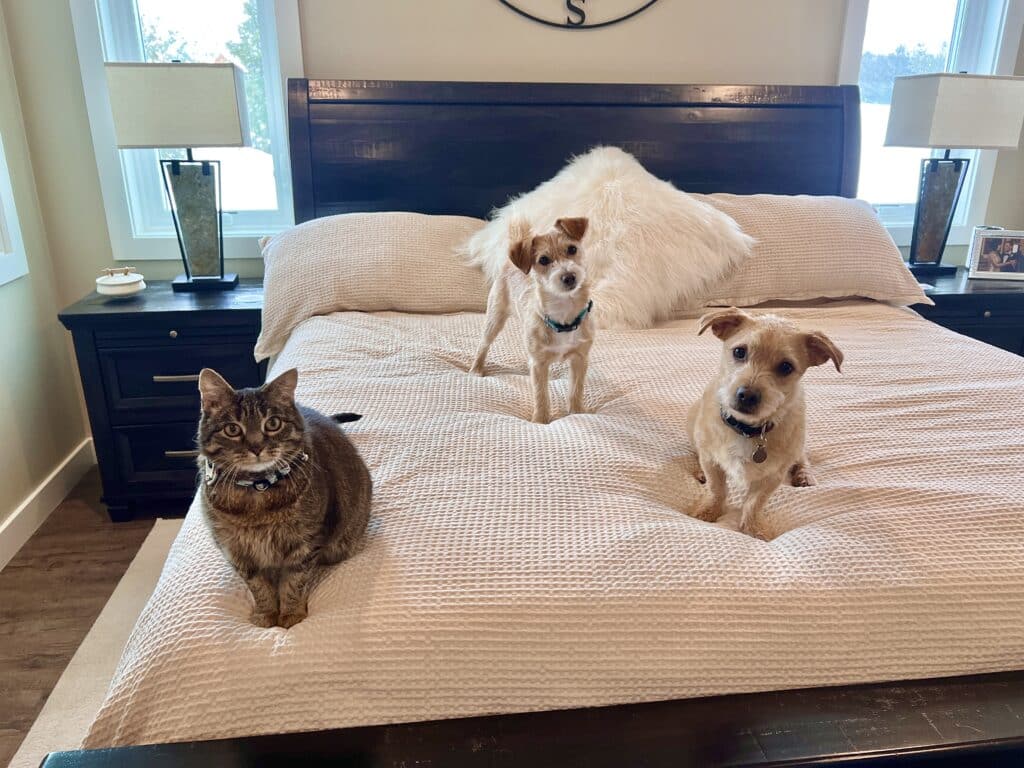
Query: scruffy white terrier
pixel 545 280
pixel 748 427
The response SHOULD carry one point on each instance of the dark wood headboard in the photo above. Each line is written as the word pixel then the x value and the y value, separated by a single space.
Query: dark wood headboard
pixel 464 148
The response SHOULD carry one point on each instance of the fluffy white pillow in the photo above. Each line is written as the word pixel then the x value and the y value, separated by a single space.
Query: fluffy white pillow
pixel 368 262
pixel 649 246
pixel 811 248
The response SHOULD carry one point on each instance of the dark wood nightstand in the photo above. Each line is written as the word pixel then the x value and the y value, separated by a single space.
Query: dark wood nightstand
pixel 139 359
pixel 988 310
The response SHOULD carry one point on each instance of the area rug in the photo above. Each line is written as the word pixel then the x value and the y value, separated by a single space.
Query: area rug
pixel 73 703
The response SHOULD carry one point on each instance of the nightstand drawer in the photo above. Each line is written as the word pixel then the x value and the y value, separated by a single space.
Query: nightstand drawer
pixel 162 454
pixel 145 384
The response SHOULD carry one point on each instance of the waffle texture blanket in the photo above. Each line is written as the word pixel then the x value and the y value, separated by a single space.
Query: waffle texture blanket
pixel 511 566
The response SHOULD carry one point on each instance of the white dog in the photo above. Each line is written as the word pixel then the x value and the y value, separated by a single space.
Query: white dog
pixel 545 280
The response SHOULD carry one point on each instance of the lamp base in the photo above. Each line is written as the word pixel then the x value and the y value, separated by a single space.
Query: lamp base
pixel 923 271
pixel 227 283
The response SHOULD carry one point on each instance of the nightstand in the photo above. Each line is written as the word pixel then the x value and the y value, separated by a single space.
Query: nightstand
pixel 139 359
pixel 988 310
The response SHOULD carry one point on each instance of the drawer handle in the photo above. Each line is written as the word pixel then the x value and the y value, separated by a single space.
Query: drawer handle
pixel 987 313
pixel 181 454
pixel 169 379
pixel 173 334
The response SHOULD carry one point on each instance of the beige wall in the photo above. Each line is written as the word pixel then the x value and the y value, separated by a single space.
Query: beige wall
pixel 40 419
pixel 1006 202
pixel 687 41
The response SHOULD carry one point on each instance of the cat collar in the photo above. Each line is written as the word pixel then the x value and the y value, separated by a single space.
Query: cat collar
pixel 258 483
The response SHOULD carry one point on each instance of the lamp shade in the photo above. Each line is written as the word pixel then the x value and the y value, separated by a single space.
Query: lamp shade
pixel 954 111
pixel 177 105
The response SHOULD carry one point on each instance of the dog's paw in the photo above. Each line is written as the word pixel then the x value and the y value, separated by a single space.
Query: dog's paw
pixel 288 620
pixel 700 477
pixel 708 511
pixel 264 619
pixel 800 476
pixel 758 529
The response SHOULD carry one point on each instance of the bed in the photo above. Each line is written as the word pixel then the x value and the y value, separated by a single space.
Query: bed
pixel 493 584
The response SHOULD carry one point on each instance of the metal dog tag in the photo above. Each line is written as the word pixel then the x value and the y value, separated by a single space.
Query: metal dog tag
pixel 760 454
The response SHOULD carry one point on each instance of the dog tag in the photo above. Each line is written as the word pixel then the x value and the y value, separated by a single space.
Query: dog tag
pixel 760 454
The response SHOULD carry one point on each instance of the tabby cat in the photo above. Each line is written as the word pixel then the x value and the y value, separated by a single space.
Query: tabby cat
pixel 286 492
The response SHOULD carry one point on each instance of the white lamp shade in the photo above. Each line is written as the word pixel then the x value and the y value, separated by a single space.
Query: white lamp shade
pixel 177 105
pixel 954 111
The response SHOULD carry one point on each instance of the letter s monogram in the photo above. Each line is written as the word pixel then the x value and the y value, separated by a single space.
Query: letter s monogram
pixel 573 8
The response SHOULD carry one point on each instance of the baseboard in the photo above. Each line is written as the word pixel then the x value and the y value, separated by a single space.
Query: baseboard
pixel 30 514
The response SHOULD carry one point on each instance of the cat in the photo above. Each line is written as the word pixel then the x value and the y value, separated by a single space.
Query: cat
pixel 286 493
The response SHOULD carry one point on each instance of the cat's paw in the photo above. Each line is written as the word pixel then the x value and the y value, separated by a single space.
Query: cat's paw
pixel 289 620
pixel 264 619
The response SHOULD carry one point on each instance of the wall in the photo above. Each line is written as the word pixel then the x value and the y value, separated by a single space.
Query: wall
pixel 689 41
pixel 40 418
pixel 1006 202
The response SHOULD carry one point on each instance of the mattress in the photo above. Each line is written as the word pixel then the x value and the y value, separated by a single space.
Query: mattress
pixel 511 566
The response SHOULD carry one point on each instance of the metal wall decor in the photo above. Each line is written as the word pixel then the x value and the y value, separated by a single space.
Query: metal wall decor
pixel 578 14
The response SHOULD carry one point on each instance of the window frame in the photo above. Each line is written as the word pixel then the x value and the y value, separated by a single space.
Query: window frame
pixel 13 261
pixel 158 242
pixel 985 38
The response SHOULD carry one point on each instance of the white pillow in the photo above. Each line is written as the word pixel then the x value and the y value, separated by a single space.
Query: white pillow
pixel 649 246
pixel 368 262
pixel 812 247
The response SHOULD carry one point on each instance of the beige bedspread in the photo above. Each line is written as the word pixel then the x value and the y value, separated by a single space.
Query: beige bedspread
pixel 512 566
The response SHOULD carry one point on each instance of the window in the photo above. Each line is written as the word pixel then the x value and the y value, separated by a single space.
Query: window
pixel 261 36
pixel 886 39
pixel 12 250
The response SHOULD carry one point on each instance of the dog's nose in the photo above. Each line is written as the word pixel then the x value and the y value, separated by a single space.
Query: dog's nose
pixel 569 279
pixel 747 398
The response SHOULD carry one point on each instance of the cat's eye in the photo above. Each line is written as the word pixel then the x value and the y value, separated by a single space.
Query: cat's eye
pixel 232 430
pixel 740 353
pixel 272 424
pixel 785 368
pixel 544 261
pixel 571 250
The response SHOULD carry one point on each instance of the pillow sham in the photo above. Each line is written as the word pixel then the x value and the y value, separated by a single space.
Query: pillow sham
pixel 368 262
pixel 649 247
pixel 811 247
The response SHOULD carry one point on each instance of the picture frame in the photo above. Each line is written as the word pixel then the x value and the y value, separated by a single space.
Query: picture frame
pixel 996 254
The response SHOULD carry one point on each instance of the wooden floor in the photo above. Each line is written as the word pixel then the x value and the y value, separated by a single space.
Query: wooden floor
pixel 50 594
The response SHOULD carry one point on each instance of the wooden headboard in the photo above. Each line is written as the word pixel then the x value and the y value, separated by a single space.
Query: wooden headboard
pixel 464 148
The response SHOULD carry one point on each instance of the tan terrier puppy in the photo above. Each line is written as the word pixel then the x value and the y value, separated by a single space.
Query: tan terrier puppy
pixel 748 426
pixel 545 280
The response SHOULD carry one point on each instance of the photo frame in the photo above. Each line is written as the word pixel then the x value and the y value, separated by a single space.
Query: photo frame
pixel 996 254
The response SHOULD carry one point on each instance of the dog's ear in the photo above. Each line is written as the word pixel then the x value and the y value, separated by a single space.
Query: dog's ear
pixel 820 349
pixel 520 253
pixel 573 228
pixel 723 322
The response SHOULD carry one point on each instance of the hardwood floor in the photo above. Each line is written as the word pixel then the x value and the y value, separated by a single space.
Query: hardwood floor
pixel 50 594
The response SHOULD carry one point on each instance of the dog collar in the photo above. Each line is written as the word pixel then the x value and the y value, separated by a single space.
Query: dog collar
pixel 568 327
pixel 757 431
pixel 257 483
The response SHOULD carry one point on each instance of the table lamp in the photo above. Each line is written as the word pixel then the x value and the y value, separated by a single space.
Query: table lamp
pixel 949 111
pixel 184 106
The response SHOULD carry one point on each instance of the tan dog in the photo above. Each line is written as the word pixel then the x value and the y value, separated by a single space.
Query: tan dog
pixel 748 426
pixel 545 280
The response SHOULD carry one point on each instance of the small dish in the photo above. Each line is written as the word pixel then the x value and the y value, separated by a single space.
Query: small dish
pixel 120 284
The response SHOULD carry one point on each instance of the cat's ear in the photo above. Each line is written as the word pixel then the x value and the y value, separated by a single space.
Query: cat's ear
pixel 283 387
pixel 214 390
